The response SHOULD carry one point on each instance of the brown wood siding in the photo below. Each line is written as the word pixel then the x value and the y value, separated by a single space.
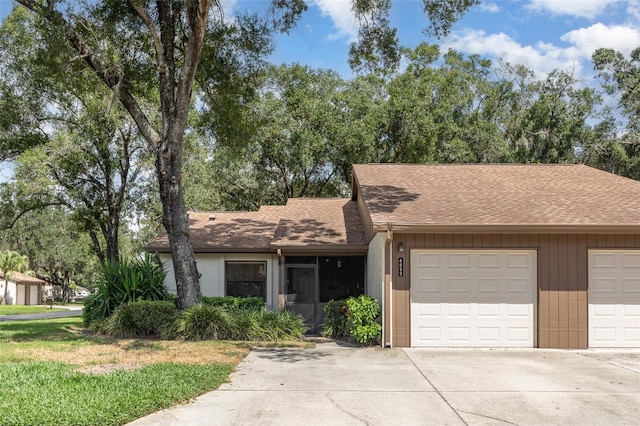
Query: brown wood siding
pixel 562 305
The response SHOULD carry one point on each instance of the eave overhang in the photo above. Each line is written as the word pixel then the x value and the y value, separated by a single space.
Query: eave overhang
pixel 525 228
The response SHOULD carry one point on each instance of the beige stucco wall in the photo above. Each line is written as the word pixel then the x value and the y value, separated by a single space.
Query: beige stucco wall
pixel 375 266
pixel 211 268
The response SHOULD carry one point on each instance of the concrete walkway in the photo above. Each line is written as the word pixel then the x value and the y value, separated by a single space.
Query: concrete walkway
pixel 336 385
pixel 71 311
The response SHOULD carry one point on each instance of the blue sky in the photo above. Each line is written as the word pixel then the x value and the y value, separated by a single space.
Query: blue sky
pixel 541 34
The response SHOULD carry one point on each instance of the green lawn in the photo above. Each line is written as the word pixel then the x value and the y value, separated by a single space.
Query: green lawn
pixel 24 309
pixel 52 372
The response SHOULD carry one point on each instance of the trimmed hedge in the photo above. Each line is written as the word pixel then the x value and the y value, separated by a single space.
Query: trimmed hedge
pixel 231 303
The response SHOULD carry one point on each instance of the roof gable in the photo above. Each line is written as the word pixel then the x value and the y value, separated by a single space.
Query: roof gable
pixel 504 195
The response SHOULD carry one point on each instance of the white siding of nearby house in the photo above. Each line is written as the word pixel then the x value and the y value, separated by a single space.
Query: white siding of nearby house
pixel 22 294
pixel 375 266
pixel 33 295
pixel 11 293
pixel 211 268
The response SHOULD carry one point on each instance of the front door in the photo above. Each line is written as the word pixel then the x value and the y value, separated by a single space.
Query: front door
pixel 301 294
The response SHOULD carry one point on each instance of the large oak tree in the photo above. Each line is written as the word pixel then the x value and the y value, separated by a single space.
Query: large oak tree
pixel 138 45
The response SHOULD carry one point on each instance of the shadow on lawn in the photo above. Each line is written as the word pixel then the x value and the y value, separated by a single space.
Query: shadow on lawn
pixel 59 330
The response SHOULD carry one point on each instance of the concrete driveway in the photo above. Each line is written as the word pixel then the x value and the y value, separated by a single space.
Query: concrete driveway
pixel 337 385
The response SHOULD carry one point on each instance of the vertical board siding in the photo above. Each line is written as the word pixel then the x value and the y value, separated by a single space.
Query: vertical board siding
pixel 562 305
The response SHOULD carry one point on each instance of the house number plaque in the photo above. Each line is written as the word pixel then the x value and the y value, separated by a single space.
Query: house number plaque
pixel 401 267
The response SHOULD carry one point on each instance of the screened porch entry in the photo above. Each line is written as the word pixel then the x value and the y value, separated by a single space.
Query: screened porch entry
pixel 312 281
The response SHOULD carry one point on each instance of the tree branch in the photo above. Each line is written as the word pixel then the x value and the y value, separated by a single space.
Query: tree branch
pixel 108 77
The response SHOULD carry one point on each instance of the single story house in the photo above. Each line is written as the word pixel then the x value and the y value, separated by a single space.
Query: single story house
pixel 22 289
pixel 470 255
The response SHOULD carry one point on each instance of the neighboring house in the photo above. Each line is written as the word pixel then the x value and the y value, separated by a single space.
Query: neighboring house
pixel 458 255
pixel 22 289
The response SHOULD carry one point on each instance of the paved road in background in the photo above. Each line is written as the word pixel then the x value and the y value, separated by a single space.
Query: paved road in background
pixel 71 312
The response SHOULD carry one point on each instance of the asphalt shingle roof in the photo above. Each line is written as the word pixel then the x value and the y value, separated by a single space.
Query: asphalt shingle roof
pixel 230 231
pixel 504 194
pixel 316 222
pixel 303 222
pixel 20 278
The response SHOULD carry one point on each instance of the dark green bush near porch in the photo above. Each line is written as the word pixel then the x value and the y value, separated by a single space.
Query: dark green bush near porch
pixel 355 319
pixel 125 281
pixel 231 303
pixel 141 319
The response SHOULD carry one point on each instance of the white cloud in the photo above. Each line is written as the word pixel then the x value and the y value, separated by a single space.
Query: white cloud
pixel 633 10
pixel 580 8
pixel 542 58
pixel 618 37
pixel 339 11
pixel 489 7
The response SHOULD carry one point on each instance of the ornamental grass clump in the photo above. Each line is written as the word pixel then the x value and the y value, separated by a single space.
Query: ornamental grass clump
pixel 203 322
pixel 141 319
pixel 206 322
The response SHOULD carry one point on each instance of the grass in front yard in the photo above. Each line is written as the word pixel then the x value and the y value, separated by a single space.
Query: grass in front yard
pixel 26 309
pixel 52 372
pixel 54 393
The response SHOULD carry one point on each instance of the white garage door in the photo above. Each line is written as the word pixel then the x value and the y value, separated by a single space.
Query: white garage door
pixel 473 298
pixel 614 298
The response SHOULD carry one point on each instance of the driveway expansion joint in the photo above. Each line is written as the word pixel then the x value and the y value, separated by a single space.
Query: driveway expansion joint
pixel 436 389
pixel 350 414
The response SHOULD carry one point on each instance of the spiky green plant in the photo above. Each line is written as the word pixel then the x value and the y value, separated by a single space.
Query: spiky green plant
pixel 123 282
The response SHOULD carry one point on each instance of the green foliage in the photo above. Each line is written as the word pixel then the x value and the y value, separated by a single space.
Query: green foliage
pixel 613 148
pixel 56 247
pixel 267 325
pixel 355 318
pixel 52 393
pixel 11 262
pixel 231 303
pixel 27 309
pixel 206 322
pixel 124 282
pixel 335 319
pixel 202 322
pixel 141 318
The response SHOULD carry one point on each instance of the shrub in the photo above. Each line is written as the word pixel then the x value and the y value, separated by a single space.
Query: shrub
pixel 231 303
pixel 202 322
pixel 140 319
pixel 123 282
pixel 362 313
pixel 335 319
pixel 206 322
pixel 354 318
pixel 284 325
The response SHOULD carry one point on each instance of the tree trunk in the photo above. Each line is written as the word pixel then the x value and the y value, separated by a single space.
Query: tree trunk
pixel 175 96
pixel 176 222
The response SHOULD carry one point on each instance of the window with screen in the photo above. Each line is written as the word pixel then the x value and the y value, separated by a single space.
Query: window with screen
pixel 246 279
